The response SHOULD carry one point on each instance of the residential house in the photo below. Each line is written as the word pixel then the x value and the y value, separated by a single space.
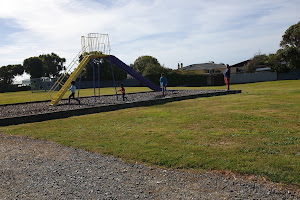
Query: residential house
pixel 238 67
pixel 205 68
pixel 213 68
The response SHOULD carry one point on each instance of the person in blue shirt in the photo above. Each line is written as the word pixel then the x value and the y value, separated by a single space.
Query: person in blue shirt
pixel 73 89
pixel 227 76
pixel 163 83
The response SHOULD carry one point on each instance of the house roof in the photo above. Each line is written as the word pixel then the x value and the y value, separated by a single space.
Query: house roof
pixel 203 66
pixel 240 64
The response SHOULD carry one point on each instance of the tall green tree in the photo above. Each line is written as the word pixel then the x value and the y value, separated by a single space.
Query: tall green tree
pixel 285 59
pixel 153 69
pixel 291 37
pixel 259 60
pixel 8 73
pixel 274 61
pixel 34 67
pixel 45 65
pixel 52 64
pixel 153 72
pixel 288 57
pixel 142 62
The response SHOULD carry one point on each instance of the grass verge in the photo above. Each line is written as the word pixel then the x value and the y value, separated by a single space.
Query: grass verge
pixel 255 132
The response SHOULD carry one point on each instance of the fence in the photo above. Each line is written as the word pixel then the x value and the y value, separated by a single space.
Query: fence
pixel 291 75
pixel 253 77
pixel 42 84
pixel 264 76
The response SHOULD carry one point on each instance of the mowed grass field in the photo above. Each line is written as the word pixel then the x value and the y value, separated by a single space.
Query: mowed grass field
pixel 256 132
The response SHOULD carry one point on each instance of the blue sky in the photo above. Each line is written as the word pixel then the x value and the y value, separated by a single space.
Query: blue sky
pixel 173 31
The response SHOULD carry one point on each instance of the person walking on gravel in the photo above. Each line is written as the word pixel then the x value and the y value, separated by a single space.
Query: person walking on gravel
pixel 227 76
pixel 122 90
pixel 72 95
pixel 163 83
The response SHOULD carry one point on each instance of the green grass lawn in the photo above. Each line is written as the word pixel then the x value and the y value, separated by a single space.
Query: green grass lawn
pixel 255 132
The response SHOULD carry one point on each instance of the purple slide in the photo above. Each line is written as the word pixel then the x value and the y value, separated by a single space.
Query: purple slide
pixel 133 73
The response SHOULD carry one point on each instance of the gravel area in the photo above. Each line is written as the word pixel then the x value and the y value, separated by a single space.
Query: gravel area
pixel 37 169
pixel 44 107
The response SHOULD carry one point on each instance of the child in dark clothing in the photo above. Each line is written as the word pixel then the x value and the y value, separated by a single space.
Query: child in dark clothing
pixel 227 76
pixel 73 89
pixel 122 90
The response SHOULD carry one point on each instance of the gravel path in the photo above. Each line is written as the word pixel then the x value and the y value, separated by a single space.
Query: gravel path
pixel 44 107
pixel 37 169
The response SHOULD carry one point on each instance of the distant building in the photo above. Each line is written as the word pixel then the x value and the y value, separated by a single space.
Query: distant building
pixel 238 67
pixel 205 68
pixel 213 68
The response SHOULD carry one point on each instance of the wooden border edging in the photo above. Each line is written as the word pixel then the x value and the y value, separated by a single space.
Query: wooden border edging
pixel 97 109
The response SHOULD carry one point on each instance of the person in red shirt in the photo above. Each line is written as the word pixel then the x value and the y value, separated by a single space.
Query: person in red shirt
pixel 122 90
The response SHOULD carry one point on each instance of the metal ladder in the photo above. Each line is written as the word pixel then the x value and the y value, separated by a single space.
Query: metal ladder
pixel 66 84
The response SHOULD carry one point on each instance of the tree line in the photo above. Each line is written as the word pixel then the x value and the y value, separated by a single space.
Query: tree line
pixel 52 65
pixel 45 65
pixel 285 59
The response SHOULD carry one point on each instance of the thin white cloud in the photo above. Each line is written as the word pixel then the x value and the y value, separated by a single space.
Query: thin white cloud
pixel 187 31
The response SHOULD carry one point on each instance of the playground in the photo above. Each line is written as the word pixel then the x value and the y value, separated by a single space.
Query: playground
pixel 178 146
pixel 95 48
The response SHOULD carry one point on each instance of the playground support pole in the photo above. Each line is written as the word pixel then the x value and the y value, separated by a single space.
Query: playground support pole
pixel 98 78
pixel 79 85
pixel 94 84
pixel 112 71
